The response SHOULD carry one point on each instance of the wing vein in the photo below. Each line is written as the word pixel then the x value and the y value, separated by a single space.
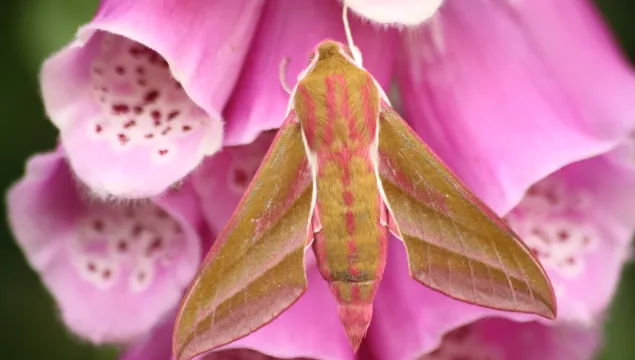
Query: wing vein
pixel 525 278
pixel 500 260
pixel 465 254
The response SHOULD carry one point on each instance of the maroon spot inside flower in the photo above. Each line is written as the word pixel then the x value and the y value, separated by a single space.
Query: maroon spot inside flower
pixel 149 136
pixel 136 230
pixel 155 245
pixel 123 139
pixel 163 152
pixel 98 129
pixel 563 235
pixel 570 260
pixel 153 58
pixel 106 274
pixel 240 177
pixel 156 117
pixel 120 70
pixel 166 131
pixel 172 115
pixel 119 109
pixel 186 128
pixel 137 110
pixel 460 334
pixel 141 276
pixel 140 70
pixel 151 96
pixel 91 267
pixel 135 51
pixel 130 123
pixel 122 246
pixel 552 198
pixel 98 225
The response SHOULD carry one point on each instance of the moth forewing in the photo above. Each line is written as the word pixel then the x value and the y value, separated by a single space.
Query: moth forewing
pixel 258 257
pixel 448 230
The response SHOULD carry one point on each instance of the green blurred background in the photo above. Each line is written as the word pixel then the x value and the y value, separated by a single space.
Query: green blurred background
pixel 32 29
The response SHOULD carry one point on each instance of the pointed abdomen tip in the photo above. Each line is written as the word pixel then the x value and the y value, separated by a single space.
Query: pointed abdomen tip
pixel 356 320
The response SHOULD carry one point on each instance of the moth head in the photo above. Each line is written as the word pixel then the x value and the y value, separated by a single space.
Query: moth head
pixel 330 48
pixel 325 51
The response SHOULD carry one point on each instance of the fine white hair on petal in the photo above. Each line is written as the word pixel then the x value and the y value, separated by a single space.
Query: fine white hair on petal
pixel 403 12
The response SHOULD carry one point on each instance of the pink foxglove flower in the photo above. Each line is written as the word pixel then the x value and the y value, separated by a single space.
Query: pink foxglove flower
pixel 137 96
pixel 506 92
pixel 114 269
pixel 500 339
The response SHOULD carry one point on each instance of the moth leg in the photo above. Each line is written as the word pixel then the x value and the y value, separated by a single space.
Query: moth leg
pixel 386 219
pixel 316 227
pixel 282 74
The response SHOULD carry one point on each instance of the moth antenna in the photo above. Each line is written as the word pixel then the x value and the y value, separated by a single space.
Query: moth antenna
pixel 283 75
pixel 357 55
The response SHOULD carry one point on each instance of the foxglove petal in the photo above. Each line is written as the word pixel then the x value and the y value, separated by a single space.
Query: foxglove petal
pixel 579 223
pixel 157 346
pixel 483 93
pixel 404 12
pixel 501 339
pixel 583 57
pixel 259 102
pixel 222 179
pixel 137 96
pixel 115 270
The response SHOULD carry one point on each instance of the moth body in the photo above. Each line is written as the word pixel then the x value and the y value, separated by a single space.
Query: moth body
pixel 337 106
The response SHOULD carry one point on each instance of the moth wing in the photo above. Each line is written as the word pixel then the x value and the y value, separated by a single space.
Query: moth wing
pixel 255 269
pixel 454 242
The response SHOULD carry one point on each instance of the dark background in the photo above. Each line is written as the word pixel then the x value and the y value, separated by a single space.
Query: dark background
pixel 32 29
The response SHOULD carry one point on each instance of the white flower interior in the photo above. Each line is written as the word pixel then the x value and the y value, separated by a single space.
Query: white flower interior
pixel 551 221
pixel 125 245
pixel 140 102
